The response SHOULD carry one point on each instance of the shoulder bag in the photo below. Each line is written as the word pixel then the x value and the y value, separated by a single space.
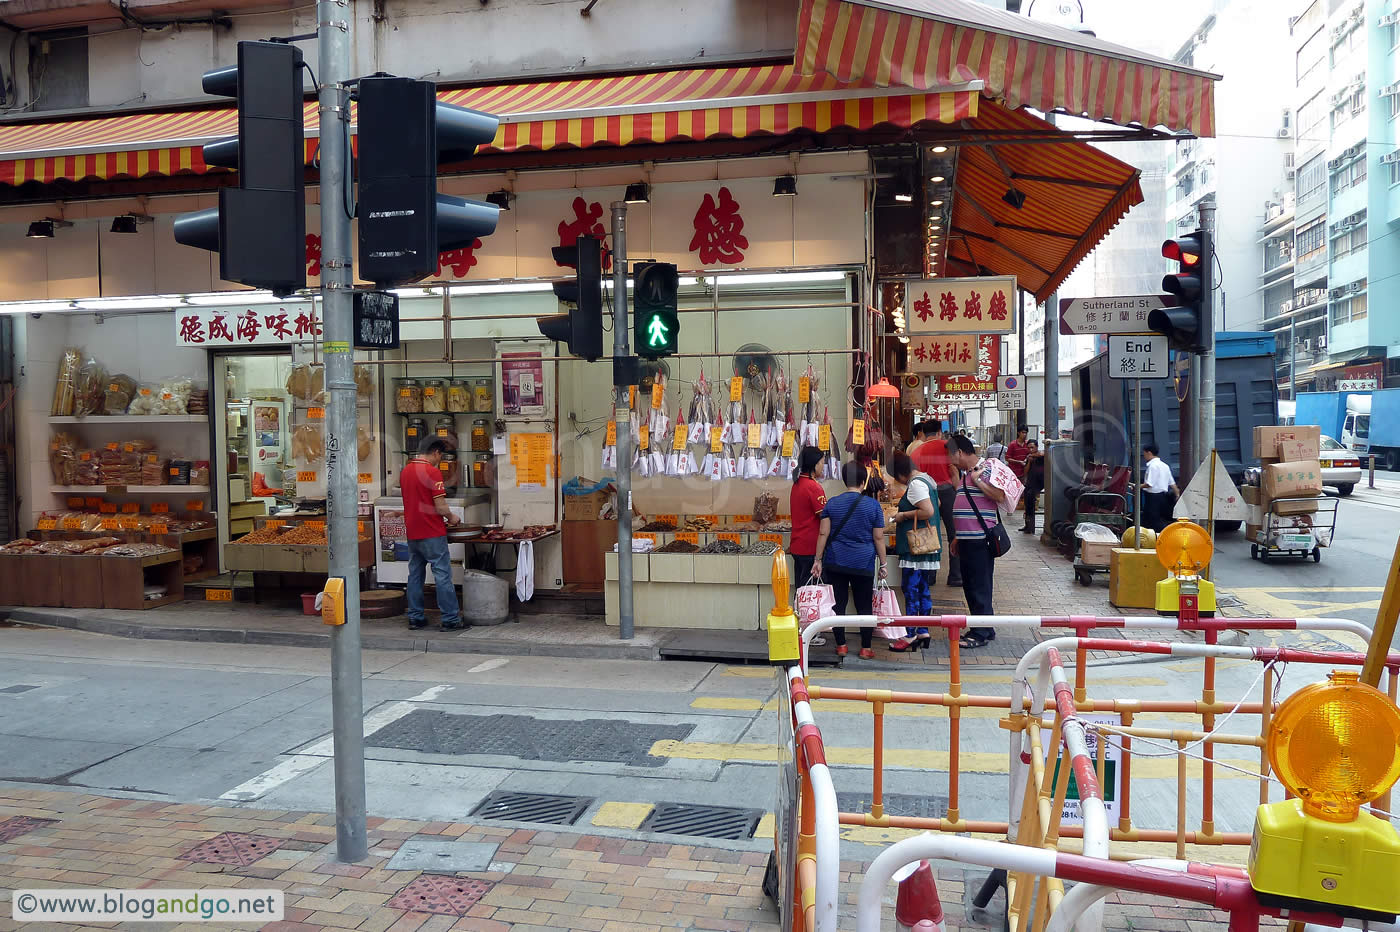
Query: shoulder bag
pixel 925 539
pixel 996 534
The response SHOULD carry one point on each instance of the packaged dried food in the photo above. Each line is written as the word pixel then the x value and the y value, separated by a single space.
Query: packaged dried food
pixel 63 452
pixel 434 396
pixel 85 468
pixel 143 400
pixel 308 446
pixel 120 388
pixel 199 473
pixel 459 396
pixel 199 401
pixel 173 396
pixel 482 397
pixel 408 396
pixel 765 508
pixel 65 386
pixel 483 471
pixel 364 442
pixel 307 382
pixel 90 389
pixel 445 429
pixel 364 381
pixel 415 429
pixel 153 471
pixel 178 472
pixel 481 435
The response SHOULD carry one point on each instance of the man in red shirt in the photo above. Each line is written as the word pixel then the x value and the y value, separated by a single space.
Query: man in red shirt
pixel 426 518
pixel 1018 454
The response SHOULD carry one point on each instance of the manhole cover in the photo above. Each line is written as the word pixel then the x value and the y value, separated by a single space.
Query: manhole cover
pixel 702 821
pixel 617 741
pixel 532 807
pixel 16 826
pixel 19 688
pixel 236 849
pixel 446 896
pixel 896 804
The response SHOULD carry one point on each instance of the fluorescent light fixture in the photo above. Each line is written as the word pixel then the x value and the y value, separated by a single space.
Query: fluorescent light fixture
pixel 505 288
pixel 241 297
pixel 639 192
pixel 903 190
pixel 791 278
pixel 141 303
pixel 37 307
pixel 785 186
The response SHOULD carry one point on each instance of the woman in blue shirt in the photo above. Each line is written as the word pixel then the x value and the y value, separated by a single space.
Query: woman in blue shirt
pixel 851 550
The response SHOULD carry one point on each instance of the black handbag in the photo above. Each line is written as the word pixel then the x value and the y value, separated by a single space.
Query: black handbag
pixel 997 537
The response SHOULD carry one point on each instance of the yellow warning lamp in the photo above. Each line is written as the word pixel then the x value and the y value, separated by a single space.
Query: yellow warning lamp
pixel 783 639
pixel 1184 548
pixel 1336 746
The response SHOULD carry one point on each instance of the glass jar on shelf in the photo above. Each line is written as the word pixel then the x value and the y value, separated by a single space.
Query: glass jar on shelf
pixel 481 435
pixel 434 396
pixel 483 471
pixel 445 428
pixel 451 470
pixel 459 396
pixel 483 398
pixel 415 429
pixel 408 396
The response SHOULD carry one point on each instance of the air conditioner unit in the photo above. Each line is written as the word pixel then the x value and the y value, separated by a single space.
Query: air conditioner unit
pixel 1333 164
pixel 1335 292
pixel 1355 287
pixel 1305 344
pixel 1321 343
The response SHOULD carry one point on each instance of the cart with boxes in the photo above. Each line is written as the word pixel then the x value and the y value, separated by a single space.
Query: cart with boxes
pixel 1288 514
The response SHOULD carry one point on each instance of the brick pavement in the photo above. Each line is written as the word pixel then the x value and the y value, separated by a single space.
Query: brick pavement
pixel 539 880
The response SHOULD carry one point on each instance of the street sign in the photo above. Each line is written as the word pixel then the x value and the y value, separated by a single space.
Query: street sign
pixel 1117 314
pixel 1356 385
pixel 1137 357
pixel 1011 401
pixel 1010 383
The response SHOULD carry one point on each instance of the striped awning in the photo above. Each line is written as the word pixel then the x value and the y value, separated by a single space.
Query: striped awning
pixel 1074 193
pixel 1025 63
pixel 620 110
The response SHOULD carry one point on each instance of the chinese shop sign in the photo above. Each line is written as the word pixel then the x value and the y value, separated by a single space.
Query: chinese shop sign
pixel 268 326
pixel 961 305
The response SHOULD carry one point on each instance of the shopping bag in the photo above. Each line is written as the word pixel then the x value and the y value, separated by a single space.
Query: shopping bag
pixel 886 603
pixel 814 603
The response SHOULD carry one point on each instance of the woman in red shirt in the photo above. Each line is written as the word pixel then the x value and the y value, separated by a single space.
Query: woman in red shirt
pixel 808 500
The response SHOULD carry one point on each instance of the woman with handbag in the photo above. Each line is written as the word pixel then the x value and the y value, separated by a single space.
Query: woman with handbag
pixel 919 543
pixel 851 552
pixel 805 505
pixel 981 537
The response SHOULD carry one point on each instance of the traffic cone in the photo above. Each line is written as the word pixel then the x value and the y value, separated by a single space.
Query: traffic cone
pixel 917 907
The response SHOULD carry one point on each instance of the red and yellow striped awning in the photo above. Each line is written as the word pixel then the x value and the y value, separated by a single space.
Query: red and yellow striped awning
pixel 924 44
pixel 653 107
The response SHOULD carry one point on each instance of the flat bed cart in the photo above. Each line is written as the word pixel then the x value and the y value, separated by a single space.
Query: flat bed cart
pixel 1285 535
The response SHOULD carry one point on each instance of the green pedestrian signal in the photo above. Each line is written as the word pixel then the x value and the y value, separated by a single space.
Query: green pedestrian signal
pixel 656 323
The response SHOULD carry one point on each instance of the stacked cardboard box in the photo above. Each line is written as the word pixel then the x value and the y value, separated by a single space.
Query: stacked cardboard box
pixel 1290 485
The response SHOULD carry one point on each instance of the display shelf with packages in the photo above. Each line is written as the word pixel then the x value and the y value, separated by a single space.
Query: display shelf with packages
pixel 132 419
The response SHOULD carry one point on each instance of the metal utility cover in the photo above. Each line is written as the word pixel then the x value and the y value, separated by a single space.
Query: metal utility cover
pixel 442 856
pixel 702 821
pixel 896 804
pixel 547 808
pixel 429 731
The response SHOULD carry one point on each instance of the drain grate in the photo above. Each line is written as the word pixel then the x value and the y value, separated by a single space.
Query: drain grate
pixel 532 807
pixel 896 804
pixel 235 849
pixel 702 821
pixel 445 896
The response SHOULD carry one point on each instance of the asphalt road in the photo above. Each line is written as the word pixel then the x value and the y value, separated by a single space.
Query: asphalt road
pixel 1347 583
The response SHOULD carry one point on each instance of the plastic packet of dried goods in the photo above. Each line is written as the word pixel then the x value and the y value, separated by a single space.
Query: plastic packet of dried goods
pixel 308 446
pixel 173 396
pixel 143 400
pixel 364 381
pixel 64 389
pixel 63 452
pixel 364 442
pixel 90 389
pixel 120 388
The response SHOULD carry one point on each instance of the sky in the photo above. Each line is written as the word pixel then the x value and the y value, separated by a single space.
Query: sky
pixel 1146 25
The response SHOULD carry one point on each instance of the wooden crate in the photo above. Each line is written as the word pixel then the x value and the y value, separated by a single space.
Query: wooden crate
pixel 124 580
pixel 11 579
pixel 42 578
pixel 81 580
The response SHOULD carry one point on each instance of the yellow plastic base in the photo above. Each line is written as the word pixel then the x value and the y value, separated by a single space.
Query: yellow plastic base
pixel 1169 597
pixel 1353 865
pixel 782 639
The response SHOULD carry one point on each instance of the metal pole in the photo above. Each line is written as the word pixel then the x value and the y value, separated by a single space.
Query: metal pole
pixel 1052 372
pixel 1205 412
pixel 1293 357
pixel 624 431
pixel 1137 463
pixel 342 486
pixel 1371 473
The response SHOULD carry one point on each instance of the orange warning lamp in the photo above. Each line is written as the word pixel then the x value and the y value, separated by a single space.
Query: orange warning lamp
pixel 1184 548
pixel 784 644
pixel 1336 746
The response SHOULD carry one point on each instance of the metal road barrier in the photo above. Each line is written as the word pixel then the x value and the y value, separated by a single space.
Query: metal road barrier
pixel 1034 855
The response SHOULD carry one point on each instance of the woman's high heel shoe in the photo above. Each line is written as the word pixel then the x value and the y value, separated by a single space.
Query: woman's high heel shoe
pixel 905 644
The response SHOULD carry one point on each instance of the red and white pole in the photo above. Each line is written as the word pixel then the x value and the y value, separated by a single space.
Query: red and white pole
pixel 917 907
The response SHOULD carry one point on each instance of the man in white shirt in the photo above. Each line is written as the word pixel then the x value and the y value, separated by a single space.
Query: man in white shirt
pixel 1159 489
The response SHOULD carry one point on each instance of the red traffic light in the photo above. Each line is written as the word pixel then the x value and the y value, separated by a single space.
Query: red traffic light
pixel 1186 250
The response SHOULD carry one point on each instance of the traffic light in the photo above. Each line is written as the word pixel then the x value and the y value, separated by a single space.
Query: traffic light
pixel 259 227
pixel 1188 326
pixel 404 222
pixel 656 326
pixel 581 329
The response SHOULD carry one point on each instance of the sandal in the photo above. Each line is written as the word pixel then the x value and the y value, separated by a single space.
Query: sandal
pixel 971 641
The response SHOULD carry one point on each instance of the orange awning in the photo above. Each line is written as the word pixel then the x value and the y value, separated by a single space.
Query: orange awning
pixel 924 44
pixel 653 107
pixel 1075 193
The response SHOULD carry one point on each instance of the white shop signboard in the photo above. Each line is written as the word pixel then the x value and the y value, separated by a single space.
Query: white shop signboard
pixel 259 325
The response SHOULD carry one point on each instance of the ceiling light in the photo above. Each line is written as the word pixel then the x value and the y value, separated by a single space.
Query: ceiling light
pixel 501 199
pixel 785 186
pixel 639 192
pixel 43 229
pixel 939 150
pixel 903 189
pixel 882 389
pixel 937 203
pixel 937 179
pixel 1016 199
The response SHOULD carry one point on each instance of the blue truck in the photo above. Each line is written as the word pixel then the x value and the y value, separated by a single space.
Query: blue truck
pixel 1325 409
pixel 1371 426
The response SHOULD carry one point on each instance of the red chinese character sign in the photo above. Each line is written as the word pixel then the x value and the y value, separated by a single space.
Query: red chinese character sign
pixel 953 354
pixel 586 221
pixel 719 230
pixel 271 325
pixel 962 305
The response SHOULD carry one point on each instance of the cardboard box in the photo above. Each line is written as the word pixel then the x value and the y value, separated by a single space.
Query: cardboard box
pixel 1093 553
pixel 1295 508
pixel 1266 439
pixel 1292 480
pixel 237 490
pixel 1291 451
pixel 586 507
pixel 1251 494
pixel 1133 576
pixel 1254 533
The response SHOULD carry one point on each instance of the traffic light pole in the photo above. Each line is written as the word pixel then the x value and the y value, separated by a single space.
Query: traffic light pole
pixel 1205 410
pixel 342 485
pixel 622 418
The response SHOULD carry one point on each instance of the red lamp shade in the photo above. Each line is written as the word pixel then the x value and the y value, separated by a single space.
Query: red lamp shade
pixel 882 389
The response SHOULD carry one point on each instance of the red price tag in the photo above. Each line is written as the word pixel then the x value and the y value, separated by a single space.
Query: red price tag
pixel 107 508
pixel 218 595
pixel 772 538
pixel 47 524
pixel 92 502
pixel 160 508
pixel 75 501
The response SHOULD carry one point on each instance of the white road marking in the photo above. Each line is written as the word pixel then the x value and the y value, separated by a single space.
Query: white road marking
pixel 303 762
pixel 489 665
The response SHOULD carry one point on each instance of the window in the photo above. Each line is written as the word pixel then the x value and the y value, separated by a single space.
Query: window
pixel 1349 175
pixel 1394 173
pixel 1310 55
pixel 1312 239
pixel 1344 46
pixel 1348 107
pixel 1312 177
pixel 1310 117
pixel 1349 240
pixel 1351 306
pixel 1394 105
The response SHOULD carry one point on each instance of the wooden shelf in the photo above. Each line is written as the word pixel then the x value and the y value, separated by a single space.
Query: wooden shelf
pixel 129 489
pixel 133 419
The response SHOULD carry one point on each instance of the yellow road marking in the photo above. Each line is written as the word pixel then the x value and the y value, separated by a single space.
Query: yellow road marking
pixel 988 762
pixel 734 704
pixel 621 815
pixel 764 828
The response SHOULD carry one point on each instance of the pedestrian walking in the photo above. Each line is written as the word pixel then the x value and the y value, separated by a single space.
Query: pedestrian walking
pixel 974 516
pixel 919 570
pixel 1035 484
pixel 934 459
pixel 1018 453
pixel 426 519
pixel 805 505
pixel 1159 489
pixel 851 551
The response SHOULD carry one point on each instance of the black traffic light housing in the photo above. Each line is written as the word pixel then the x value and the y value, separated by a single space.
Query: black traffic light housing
pixel 259 227
pixel 656 325
pixel 1189 326
pixel 581 329
pixel 404 133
